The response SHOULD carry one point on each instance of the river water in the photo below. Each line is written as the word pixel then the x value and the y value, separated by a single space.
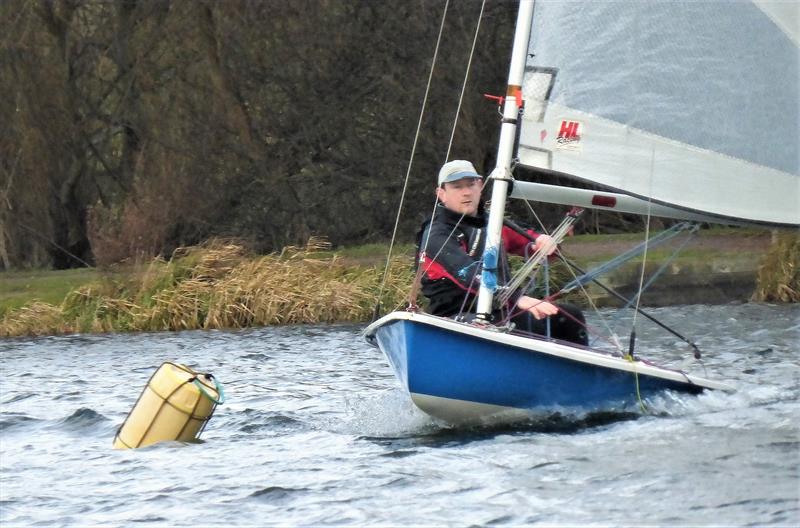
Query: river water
pixel 316 432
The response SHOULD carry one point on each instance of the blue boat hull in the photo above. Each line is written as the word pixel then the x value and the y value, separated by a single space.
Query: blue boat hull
pixel 455 374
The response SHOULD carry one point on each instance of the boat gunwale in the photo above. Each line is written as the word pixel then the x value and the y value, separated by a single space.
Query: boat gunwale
pixel 543 346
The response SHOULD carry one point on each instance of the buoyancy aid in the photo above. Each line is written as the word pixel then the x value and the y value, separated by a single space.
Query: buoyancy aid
pixel 449 250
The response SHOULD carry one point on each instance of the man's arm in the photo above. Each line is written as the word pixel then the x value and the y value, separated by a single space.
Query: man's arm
pixel 516 243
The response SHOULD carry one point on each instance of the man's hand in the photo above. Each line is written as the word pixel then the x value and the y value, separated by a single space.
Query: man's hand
pixel 538 308
pixel 546 244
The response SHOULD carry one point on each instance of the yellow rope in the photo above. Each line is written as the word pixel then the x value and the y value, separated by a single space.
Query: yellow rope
pixel 642 406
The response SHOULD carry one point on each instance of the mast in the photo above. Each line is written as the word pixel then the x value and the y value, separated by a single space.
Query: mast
pixel 501 175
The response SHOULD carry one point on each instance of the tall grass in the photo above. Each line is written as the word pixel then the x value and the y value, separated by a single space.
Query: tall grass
pixel 779 274
pixel 221 285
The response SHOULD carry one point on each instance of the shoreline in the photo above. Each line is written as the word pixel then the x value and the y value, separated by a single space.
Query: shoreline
pixel 711 269
pixel 221 285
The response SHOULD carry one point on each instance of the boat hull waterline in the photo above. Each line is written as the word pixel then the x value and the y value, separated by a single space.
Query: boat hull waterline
pixel 461 372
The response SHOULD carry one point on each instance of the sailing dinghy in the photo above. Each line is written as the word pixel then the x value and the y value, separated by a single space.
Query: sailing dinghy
pixel 686 111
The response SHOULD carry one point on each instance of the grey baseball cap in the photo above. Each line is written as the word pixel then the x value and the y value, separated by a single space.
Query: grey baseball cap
pixel 456 170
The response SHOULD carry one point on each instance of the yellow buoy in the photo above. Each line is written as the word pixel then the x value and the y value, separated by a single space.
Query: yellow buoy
pixel 176 404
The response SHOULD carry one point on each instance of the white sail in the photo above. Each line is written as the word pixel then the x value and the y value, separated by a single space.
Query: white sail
pixel 691 104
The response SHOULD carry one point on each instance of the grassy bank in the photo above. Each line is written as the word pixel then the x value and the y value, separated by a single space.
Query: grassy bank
pixel 18 288
pixel 217 286
pixel 221 285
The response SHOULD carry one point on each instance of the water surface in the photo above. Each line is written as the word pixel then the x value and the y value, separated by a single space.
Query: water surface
pixel 317 432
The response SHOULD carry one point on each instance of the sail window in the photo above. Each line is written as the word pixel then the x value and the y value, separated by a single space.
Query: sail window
pixel 537 84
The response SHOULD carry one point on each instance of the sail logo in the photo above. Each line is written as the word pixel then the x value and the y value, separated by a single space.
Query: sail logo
pixel 569 135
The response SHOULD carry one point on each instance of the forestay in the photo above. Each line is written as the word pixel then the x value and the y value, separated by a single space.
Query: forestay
pixel 693 105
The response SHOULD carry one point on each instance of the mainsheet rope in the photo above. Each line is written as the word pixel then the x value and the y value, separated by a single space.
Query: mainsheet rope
pixel 536 259
pixel 591 276
pixel 558 234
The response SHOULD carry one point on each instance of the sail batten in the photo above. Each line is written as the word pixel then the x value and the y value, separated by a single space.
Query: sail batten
pixel 693 104
pixel 618 202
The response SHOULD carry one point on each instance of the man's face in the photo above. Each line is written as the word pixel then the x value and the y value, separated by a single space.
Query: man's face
pixel 461 196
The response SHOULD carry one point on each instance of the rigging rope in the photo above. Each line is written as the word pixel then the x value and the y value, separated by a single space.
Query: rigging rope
pixel 537 258
pixel 617 261
pixel 411 158
pixel 697 354
pixel 628 302
pixel 549 298
pixel 455 119
pixel 424 245
pixel 417 278
pixel 600 316
pixel 661 269
pixel 632 341
pixel 466 77
pixel 591 276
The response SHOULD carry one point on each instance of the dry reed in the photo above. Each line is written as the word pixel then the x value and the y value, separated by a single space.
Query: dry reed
pixel 779 274
pixel 220 285
pixel 36 318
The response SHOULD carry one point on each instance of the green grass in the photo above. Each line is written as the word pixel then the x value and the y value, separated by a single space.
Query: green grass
pixel 376 252
pixel 18 288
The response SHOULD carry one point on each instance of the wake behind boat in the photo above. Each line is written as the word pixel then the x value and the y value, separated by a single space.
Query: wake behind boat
pixel 632 134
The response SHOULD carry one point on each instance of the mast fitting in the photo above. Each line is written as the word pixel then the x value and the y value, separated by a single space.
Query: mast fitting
pixel 513 91
pixel 499 174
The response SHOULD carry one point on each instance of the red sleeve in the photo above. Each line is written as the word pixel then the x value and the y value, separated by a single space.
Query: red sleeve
pixel 515 243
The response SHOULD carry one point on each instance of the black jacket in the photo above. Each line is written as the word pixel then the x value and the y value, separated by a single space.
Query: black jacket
pixel 449 251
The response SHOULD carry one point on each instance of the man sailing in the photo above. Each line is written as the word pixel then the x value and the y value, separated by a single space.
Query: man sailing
pixel 449 250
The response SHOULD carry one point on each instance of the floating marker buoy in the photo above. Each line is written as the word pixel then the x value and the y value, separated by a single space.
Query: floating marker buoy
pixel 176 404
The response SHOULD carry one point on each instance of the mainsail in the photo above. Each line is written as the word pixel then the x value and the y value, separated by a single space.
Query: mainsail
pixel 693 106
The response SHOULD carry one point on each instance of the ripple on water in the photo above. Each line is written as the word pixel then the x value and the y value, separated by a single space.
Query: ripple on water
pixel 275 494
pixel 19 397
pixel 252 421
pixel 83 418
pixel 400 453
pixel 16 421
pixel 70 396
pixel 149 519
pixel 257 356
pixel 325 435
